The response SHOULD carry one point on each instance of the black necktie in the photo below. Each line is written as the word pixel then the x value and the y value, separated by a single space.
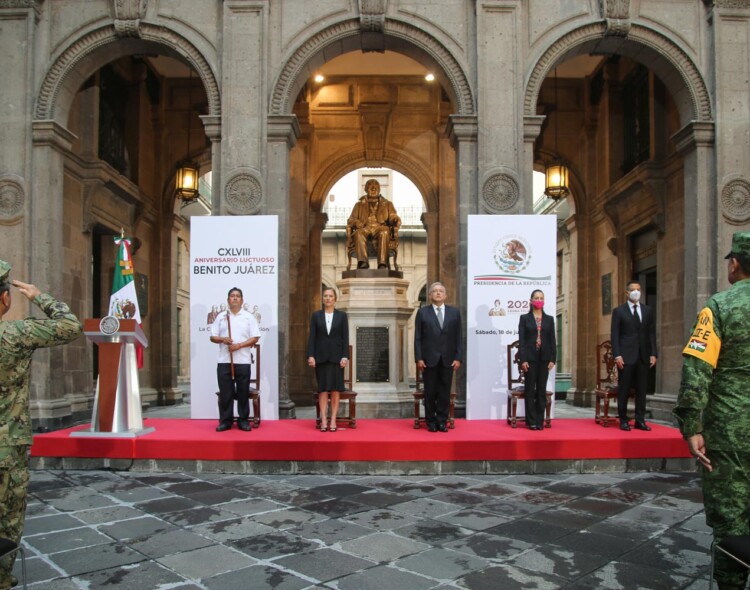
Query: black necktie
pixel 636 316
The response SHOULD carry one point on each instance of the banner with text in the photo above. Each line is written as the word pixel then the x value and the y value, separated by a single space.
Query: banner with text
pixel 226 252
pixel 509 256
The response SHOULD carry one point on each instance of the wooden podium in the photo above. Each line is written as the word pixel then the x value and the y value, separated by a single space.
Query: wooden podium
pixel 117 406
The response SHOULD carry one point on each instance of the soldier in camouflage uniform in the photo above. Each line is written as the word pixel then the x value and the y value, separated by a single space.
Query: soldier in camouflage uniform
pixel 18 340
pixel 713 408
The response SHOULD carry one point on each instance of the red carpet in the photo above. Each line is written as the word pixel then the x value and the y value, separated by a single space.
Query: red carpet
pixel 372 440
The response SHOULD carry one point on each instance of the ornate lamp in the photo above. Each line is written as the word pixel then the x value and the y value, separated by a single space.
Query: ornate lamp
pixel 557 174
pixel 186 179
pixel 556 180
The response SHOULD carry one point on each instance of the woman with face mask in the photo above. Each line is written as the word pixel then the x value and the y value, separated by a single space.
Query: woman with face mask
pixel 537 352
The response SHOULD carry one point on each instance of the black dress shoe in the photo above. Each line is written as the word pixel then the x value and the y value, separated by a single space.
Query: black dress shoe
pixel 222 427
pixel 533 427
pixel 442 428
pixel 624 425
pixel 642 426
pixel 431 428
pixel 244 426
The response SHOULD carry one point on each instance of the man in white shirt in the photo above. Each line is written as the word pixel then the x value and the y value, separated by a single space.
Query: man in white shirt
pixel 235 331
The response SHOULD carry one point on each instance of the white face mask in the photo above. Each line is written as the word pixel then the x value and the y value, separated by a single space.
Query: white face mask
pixel 635 295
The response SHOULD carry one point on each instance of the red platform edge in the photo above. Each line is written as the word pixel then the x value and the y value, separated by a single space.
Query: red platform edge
pixel 372 440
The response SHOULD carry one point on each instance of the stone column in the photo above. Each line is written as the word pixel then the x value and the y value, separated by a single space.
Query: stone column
pixel 17 31
pixel 532 127
pixel 212 126
pixel 317 223
pixel 731 78
pixel 46 260
pixel 283 131
pixel 462 131
pixel 696 142
pixel 430 223
pixel 243 102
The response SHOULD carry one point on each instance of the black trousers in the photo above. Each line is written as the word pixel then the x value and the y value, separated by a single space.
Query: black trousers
pixel 230 389
pixel 437 393
pixel 535 391
pixel 630 376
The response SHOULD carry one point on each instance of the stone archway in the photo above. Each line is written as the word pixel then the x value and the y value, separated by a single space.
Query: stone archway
pixel 666 59
pixel 342 38
pixel 352 161
pixel 71 66
pixel 301 182
pixel 85 55
pixel 692 104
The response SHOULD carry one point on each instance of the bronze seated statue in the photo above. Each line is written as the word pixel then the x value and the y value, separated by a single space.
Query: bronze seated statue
pixel 372 230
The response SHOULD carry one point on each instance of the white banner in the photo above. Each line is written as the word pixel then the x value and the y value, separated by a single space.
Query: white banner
pixel 226 252
pixel 509 256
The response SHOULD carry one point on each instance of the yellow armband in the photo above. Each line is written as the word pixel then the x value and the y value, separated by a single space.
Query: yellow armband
pixel 704 344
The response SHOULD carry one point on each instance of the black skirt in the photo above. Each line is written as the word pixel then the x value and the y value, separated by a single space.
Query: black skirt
pixel 330 377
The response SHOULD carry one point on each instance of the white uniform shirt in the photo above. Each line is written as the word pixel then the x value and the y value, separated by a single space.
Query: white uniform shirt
pixel 244 327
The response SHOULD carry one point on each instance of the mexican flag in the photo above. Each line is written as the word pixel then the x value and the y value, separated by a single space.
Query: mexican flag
pixel 123 303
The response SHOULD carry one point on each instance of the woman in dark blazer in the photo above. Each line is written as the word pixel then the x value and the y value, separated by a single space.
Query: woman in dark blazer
pixel 327 353
pixel 537 352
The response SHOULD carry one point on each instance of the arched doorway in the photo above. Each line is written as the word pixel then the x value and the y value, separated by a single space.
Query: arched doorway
pixel 113 119
pixel 636 128
pixel 368 110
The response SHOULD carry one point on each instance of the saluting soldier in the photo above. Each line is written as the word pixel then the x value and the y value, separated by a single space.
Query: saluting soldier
pixel 713 408
pixel 18 341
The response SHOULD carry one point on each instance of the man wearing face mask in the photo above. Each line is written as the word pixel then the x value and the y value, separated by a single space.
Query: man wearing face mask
pixel 634 349
pixel 713 406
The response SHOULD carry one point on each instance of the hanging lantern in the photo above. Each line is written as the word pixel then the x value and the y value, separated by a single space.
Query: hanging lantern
pixel 556 180
pixel 186 184
pixel 186 179
pixel 557 175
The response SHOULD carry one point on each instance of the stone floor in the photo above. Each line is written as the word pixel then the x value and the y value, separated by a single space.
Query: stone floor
pixel 140 530
pixel 144 530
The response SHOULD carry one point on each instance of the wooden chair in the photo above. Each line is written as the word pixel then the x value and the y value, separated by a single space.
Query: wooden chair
pixel 516 389
pixel 254 393
pixel 255 386
pixel 351 251
pixel 348 395
pixel 418 394
pixel 606 383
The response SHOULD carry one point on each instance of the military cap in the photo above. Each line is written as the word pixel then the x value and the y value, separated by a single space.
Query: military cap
pixel 740 244
pixel 4 271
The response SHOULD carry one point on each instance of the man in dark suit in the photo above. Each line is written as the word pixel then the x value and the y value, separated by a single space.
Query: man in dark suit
pixel 634 349
pixel 438 351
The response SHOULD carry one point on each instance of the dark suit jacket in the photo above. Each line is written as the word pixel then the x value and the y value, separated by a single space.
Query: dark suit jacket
pixel 325 347
pixel 629 341
pixel 433 345
pixel 527 338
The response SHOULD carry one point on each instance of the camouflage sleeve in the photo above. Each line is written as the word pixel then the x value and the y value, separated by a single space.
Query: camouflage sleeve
pixel 693 395
pixel 61 327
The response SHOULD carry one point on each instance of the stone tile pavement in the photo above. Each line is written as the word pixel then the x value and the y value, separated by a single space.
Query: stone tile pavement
pixel 146 530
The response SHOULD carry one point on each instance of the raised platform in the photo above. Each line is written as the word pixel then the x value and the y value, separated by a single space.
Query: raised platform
pixel 375 446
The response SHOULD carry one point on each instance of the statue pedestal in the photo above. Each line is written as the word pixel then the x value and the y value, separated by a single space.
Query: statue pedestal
pixel 378 313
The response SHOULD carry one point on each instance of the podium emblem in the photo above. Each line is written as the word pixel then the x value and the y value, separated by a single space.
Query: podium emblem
pixel 109 325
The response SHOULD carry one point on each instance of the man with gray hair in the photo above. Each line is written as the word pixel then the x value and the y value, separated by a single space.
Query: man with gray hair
pixel 438 352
